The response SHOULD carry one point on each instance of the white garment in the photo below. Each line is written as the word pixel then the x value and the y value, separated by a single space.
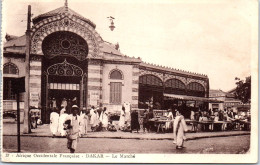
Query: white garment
pixel 92 117
pixel 192 115
pixel 169 117
pixel 127 106
pixel 179 127
pixel 54 122
pixel 62 111
pixel 54 104
pixel 122 119
pixel 64 103
pixel 83 123
pixel 62 120
pixel 104 119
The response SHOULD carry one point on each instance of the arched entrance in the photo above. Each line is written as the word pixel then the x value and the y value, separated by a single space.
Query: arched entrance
pixel 64 69
pixel 150 90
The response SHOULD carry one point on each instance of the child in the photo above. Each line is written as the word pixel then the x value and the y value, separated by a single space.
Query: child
pixel 73 130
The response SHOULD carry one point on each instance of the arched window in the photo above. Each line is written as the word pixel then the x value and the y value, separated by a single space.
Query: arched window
pixel 196 89
pixel 174 83
pixel 10 68
pixel 116 74
pixel 116 87
pixel 175 86
pixel 150 80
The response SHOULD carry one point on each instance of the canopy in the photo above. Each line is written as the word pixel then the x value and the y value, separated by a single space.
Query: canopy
pixel 191 98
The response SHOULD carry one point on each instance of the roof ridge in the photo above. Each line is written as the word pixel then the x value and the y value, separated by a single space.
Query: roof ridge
pixel 170 68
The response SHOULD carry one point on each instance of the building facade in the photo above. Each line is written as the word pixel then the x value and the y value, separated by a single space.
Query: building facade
pixel 228 100
pixel 69 59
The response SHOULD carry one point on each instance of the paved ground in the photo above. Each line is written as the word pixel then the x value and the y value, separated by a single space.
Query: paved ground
pixel 224 145
pixel 44 131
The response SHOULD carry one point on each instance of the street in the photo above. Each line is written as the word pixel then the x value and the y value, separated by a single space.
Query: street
pixel 219 145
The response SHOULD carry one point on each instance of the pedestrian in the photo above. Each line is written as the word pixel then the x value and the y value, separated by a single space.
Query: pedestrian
pixel 72 129
pixel 54 103
pixel 54 122
pixel 92 117
pixel 145 121
pixel 69 105
pixel 150 117
pixel 104 119
pixel 63 110
pixel 62 120
pixel 122 119
pixel 83 121
pixel 135 121
pixel 179 129
pixel 64 103
pixel 169 116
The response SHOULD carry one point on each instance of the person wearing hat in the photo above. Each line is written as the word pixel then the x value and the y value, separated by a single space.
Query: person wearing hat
pixel 73 129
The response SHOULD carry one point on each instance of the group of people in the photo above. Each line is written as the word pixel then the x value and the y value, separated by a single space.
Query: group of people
pixel 214 115
pixel 58 118
pixel 65 103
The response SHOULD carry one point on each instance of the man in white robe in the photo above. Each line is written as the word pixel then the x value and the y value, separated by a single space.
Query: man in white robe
pixel 92 118
pixel 122 119
pixel 54 122
pixel 62 120
pixel 83 122
pixel 104 119
pixel 179 129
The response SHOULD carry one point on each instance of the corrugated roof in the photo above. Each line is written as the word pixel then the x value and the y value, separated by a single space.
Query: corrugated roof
pixel 62 10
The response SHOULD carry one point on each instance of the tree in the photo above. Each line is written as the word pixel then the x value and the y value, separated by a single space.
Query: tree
pixel 243 90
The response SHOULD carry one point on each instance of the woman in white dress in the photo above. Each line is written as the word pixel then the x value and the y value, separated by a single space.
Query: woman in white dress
pixel 179 129
pixel 104 118
pixel 54 122
pixel 122 119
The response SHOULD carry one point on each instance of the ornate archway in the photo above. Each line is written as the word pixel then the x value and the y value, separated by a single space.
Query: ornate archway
pixel 63 80
pixel 70 23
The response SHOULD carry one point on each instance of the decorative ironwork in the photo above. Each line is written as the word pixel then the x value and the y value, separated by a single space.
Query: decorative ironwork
pixel 65 43
pixel 65 69
pixel 116 74
pixel 68 24
pixel 195 89
pixel 10 68
pixel 150 80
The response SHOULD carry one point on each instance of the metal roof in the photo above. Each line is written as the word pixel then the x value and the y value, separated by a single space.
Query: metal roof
pixel 59 11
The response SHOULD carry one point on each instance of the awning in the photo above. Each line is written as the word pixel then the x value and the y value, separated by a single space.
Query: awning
pixel 190 98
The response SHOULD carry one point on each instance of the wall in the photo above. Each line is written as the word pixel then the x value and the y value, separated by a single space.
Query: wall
pixel 129 88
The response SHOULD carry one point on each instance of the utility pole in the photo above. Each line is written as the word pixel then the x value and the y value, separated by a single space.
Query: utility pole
pixel 27 125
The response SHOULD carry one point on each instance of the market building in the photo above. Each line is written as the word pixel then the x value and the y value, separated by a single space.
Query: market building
pixel 227 99
pixel 69 59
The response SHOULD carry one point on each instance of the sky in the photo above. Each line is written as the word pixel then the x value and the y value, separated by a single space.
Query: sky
pixel 217 38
